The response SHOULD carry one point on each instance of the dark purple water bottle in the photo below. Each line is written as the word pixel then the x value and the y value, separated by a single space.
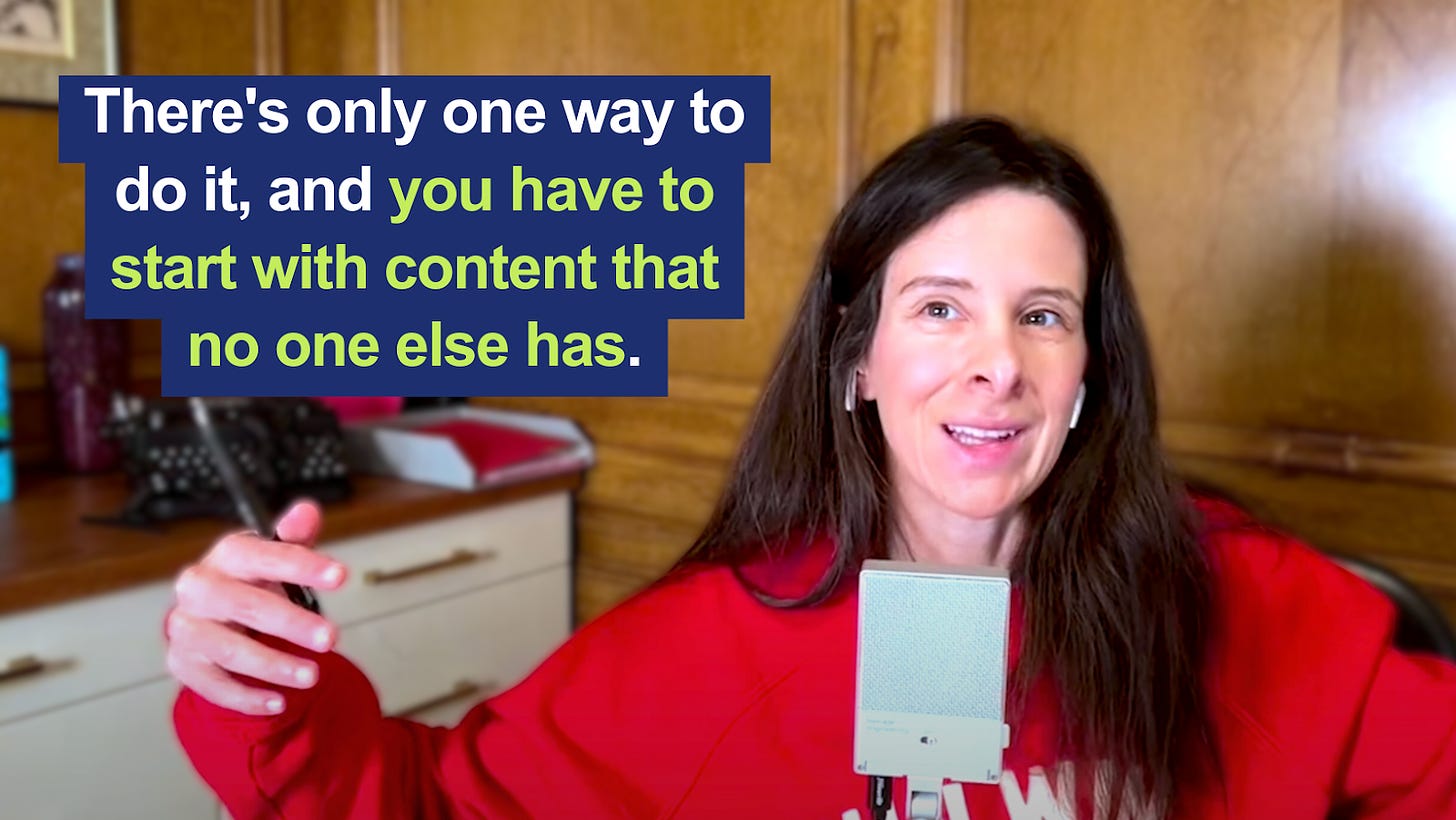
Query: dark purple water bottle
pixel 87 360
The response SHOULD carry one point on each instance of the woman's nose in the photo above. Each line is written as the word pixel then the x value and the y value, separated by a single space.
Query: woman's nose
pixel 996 365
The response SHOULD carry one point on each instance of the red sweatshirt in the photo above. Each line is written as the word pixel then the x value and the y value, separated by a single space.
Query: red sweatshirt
pixel 692 700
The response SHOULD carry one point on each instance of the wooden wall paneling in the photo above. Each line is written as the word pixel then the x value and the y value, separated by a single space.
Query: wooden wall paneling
pixel 679 425
pixel 1285 245
pixel 467 37
pixel 851 78
pixel 599 588
pixel 41 214
pixel 789 202
pixel 270 41
pixel 898 77
pixel 1406 528
pixel 676 488
pixel 1335 514
pixel 1291 258
pixel 1390 366
pixel 623 552
pixel 661 461
pixel 187 37
pixel 635 544
pixel 340 37
pixel 1213 128
pixel 42 201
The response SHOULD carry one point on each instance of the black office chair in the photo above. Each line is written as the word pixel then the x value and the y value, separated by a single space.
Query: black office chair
pixel 1422 627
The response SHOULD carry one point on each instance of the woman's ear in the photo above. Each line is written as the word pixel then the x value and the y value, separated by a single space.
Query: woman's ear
pixel 855 390
pixel 864 384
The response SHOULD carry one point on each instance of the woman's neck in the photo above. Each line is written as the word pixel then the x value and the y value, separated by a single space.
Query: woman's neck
pixel 939 536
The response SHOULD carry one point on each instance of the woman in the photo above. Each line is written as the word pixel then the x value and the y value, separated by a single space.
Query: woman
pixel 967 382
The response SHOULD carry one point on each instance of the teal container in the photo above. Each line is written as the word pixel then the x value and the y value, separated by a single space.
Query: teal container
pixel 7 457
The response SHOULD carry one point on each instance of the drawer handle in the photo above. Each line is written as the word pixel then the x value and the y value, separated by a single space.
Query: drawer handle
pixel 458 558
pixel 462 689
pixel 28 666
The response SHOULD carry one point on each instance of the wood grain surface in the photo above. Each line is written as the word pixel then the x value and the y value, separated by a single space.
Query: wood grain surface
pixel 53 554
pixel 1281 172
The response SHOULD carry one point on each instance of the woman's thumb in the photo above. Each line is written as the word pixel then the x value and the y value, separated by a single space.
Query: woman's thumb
pixel 300 523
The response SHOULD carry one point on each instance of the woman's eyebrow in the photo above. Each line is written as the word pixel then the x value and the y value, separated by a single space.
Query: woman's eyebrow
pixel 1062 294
pixel 938 282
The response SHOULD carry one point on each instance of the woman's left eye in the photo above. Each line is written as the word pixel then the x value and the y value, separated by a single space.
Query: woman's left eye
pixel 1042 318
pixel 938 310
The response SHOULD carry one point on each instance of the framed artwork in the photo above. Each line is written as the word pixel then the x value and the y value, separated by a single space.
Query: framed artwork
pixel 42 39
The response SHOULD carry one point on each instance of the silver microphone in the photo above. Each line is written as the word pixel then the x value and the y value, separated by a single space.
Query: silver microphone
pixel 930 687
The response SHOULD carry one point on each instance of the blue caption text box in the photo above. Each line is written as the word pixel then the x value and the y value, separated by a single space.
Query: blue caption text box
pixel 492 236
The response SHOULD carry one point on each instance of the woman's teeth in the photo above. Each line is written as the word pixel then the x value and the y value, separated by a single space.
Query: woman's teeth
pixel 978 435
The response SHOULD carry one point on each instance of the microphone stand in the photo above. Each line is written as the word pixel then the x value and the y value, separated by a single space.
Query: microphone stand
pixel 922 800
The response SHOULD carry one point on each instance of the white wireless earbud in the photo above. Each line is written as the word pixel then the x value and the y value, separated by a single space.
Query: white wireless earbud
pixel 1077 408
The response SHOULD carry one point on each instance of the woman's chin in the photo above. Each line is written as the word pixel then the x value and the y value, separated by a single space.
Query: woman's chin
pixel 984 505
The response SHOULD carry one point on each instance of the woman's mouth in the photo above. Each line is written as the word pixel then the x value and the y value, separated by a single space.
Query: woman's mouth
pixel 981 436
pixel 983 447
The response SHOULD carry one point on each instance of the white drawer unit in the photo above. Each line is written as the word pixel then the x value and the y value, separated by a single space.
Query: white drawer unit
pixel 63 654
pixel 113 756
pixel 439 614
pixel 455 652
pixel 408 566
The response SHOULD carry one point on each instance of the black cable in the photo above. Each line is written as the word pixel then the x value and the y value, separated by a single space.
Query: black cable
pixel 881 795
pixel 250 507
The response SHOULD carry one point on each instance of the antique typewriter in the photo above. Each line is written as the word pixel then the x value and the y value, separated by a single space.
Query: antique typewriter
pixel 284 449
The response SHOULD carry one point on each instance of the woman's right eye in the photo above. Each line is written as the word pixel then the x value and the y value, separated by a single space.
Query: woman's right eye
pixel 938 310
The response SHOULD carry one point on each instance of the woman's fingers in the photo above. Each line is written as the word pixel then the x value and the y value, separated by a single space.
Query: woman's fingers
pixel 235 652
pixel 249 558
pixel 214 685
pixel 204 592
pixel 233 596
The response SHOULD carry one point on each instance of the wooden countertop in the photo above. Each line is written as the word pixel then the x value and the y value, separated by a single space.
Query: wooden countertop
pixel 48 555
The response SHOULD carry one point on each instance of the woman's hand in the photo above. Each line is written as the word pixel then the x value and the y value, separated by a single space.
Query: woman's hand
pixel 234 595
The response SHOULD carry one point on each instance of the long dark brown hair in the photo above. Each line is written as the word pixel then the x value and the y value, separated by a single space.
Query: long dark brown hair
pixel 1116 587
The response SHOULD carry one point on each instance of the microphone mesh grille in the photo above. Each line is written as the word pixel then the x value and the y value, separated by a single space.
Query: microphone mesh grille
pixel 933 645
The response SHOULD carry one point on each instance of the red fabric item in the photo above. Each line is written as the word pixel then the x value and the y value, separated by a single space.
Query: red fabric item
pixel 694 700
pixel 359 408
pixel 489 447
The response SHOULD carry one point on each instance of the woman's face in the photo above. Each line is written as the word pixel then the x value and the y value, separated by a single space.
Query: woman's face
pixel 978 354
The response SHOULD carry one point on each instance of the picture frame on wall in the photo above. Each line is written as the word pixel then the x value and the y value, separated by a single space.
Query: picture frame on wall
pixel 40 40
